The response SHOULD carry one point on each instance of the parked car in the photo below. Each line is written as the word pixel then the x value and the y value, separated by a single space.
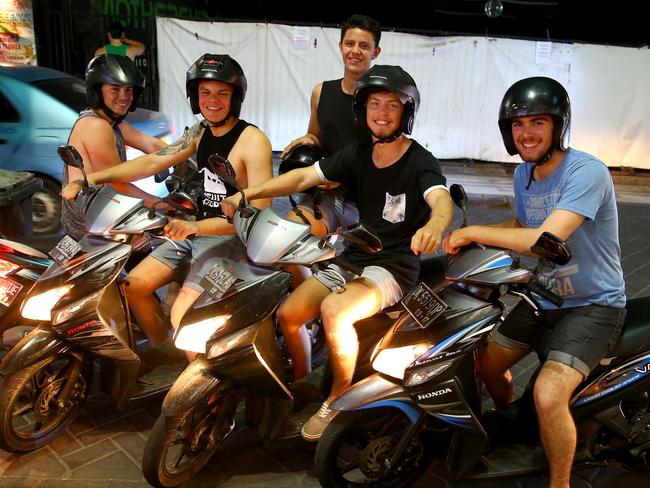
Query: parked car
pixel 38 107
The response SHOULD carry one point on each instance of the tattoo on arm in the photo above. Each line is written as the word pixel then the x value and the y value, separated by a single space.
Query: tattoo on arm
pixel 183 143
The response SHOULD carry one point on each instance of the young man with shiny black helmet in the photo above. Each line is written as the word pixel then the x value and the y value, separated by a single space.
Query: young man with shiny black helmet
pixel 401 195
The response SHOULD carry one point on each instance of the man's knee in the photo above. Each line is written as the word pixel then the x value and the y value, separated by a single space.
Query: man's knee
pixel 185 299
pixel 554 387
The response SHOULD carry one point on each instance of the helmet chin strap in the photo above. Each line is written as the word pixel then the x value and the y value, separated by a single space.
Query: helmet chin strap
pixel 384 140
pixel 221 123
pixel 112 115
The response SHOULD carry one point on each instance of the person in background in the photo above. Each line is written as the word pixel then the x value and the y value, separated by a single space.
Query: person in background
pixel 216 87
pixel 568 193
pixel 401 195
pixel 118 44
pixel 113 86
pixel 332 126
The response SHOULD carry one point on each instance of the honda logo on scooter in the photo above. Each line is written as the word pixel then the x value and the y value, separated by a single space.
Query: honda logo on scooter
pixel 432 394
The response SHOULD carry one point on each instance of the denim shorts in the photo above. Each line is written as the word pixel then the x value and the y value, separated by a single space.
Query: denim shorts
pixel 335 209
pixel 335 278
pixel 578 337
pixel 199 255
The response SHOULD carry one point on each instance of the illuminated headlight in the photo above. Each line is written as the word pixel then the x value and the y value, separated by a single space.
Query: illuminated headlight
pixel 394 361
pixel 234 340
pixel 425 374
pixel 39 306
pixel 7 268
pixel 193 337
pixel 71 310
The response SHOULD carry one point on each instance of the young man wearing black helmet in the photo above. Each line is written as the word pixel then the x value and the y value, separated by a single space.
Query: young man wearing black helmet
pixel 570 194
pixel 401 195
pixel 113 86
pixel 216 87
pixel 331 123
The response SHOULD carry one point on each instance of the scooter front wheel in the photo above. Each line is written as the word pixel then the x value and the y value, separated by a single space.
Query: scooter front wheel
pixel 356 447
pixel 32 411
pixel 180 445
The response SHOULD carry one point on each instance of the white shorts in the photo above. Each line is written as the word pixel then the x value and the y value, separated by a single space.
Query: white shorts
pixel 335 278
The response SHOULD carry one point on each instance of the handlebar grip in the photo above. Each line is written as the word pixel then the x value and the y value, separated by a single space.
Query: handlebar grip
pixel 546 294
pixel 342 263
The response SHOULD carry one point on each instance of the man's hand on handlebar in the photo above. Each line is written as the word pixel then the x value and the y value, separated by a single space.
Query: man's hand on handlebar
pixel 230 204
pixel 72 189
pixel 456 239
pixel 181 229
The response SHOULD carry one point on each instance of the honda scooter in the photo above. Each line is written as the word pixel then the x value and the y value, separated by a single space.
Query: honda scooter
pixel 424 401
pixel 80 302
pixel 234 335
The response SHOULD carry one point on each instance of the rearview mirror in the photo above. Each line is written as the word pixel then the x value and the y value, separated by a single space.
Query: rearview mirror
pixel 223 169
pixel 71 156
pixel 552 248
pixel 363 237
pixel 459 197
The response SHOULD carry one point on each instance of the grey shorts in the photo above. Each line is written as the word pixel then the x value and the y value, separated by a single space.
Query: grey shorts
pixel 578 337
pixel 196 257
pixel 335 278
pixel 336 211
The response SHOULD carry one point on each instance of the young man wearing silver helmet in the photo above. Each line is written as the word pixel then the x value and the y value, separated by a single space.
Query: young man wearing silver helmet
pixel 569 193
pixel 216 87
pixel 113 86
pixel 401 195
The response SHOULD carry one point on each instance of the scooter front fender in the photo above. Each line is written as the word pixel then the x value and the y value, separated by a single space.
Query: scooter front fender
pixel 192 385
pixel 34 347
pixel 377 391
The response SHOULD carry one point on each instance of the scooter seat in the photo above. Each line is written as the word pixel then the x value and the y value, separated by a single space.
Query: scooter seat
pixel 636 332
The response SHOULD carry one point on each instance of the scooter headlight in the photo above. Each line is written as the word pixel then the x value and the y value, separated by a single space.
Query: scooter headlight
pixel 425 374
pixel 194 337
pixel 393 362
pixel 39 307
pixel 230 342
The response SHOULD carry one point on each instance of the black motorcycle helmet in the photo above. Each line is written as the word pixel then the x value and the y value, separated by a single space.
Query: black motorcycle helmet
pixel 387 78
pixel 109 68
pixel 300 156
pixel 218 67
pixel 536 96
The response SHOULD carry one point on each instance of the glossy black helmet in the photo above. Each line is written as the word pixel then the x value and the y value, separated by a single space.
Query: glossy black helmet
pixel 300 156
pixel 536 96
pixel 113 69
pixel 218 67
pixel 382 77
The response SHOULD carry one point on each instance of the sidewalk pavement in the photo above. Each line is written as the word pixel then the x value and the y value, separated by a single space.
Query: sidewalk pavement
pixel 103 448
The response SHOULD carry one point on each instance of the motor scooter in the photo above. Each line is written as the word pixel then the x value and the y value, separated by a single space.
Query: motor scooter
pixel 83 314
pixel 233 333
pixel 424 400
pixel 20 267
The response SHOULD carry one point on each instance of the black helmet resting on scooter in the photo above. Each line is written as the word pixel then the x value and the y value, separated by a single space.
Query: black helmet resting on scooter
pixel 300 156
pixel 115 70
pixel 536 96
pixel 218 67
pixel 387 78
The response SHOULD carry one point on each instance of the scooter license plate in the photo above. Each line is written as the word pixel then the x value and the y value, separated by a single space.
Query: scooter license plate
pixel 423 305
pixel 217 281
pixel 65 250
pixel 9 290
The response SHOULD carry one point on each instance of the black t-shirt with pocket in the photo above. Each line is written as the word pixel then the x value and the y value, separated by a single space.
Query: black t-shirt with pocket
pixel 391 202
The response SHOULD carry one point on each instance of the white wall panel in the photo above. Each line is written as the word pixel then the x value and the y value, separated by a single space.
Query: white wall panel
pixel 461 79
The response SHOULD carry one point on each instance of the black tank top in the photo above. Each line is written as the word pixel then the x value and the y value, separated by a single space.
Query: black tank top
pixel 214 190
pixel 335 114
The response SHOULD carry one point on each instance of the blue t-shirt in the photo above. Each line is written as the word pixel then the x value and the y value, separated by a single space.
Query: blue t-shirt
pixel 581 184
